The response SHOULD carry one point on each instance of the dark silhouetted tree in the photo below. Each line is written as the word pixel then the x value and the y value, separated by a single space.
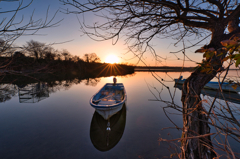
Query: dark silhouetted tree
pixel 66 54
pixel 12 27
pixel 76 59
pixel 35 49
pixel 92 57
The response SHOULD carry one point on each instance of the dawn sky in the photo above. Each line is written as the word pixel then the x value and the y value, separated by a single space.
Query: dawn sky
pixel 68 30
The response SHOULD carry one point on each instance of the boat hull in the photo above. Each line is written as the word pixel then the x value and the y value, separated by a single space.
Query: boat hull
pixel 214 86
pixel 107 113
pixel 109 99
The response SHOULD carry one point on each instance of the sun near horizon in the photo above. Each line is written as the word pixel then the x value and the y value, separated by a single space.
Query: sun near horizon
pixel 112 59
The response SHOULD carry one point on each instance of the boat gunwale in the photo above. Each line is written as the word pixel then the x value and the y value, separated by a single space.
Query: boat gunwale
pixel 110 106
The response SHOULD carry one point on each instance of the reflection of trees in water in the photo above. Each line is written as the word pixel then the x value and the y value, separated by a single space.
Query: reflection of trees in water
pixel 37 91
pixel 55 86
pixel 7 91
pixel 91 81
pixel 34 92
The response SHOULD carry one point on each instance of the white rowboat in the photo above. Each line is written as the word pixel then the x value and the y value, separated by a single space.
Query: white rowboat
pixel 109 99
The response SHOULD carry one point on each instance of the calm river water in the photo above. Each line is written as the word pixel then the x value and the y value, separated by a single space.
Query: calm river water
pixel 60 123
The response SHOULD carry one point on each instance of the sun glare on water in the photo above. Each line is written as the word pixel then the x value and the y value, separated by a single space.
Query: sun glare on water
pixel 112 59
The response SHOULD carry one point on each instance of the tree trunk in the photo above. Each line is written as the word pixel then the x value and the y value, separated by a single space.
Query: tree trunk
pixel 194 115
pixel 194 118
pixel 36 54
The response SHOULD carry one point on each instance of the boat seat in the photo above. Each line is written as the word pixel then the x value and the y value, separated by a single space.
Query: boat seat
pixel 108 102
pixel 118 97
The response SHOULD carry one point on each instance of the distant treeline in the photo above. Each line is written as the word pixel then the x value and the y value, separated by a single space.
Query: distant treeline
pixel 22 67
pixel 37 58
pixel 25 65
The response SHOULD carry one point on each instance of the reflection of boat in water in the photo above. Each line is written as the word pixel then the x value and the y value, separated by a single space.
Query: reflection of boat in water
pixel 105 134
pixel 229 96
pixel 213 85
pixel 33 93
pixel 109 100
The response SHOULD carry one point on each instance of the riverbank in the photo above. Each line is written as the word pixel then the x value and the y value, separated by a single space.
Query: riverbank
pixel 28 70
